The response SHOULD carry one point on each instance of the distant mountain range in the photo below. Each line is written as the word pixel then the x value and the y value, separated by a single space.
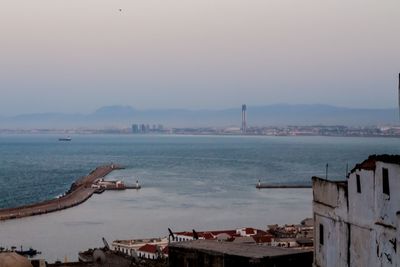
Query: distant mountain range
pixel 271 115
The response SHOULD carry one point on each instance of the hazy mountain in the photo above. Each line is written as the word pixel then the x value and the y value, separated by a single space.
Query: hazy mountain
pixel 276 115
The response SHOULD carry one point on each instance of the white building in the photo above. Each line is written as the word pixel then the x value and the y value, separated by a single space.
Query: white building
pixel 131 247
pixel 148 251
pixel 356 220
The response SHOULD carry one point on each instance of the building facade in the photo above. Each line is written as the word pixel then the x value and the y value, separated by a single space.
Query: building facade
pixel 356 221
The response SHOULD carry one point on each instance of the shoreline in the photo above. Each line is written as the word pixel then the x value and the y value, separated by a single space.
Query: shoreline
pixel 5 132
pixel 80 191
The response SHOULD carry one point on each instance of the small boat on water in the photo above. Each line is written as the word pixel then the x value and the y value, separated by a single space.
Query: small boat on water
pixel 30 252
pixel 65 139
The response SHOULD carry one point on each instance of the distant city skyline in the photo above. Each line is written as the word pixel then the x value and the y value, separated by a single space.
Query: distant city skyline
pixel 74 56
pixel 108 117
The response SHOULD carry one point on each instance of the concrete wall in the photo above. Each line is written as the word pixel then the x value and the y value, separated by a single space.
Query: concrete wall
pixel 386 246
pixel 360 228
pixel 387 206
pixel 333 252
pixel 362 205
pixel 361 247
pixel 328 193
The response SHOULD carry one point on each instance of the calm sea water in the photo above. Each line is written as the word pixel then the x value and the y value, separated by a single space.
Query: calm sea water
pixel 201 182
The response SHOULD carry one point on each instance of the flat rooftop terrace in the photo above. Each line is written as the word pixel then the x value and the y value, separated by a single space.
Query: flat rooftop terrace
pixel 235 249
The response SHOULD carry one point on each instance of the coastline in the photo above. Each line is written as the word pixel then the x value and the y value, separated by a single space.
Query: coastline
pixel 79 192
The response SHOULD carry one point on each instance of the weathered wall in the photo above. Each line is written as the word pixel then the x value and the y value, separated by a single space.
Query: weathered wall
pixel 387 206
pixel 326 192
pixel 362 247
pixel 386 246
pixel 362 205
pixel 334 250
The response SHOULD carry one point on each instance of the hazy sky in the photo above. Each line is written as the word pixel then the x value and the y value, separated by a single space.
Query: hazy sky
pixel 78 55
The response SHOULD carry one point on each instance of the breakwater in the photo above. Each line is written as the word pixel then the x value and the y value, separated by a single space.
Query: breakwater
pixel 79 192
pixel 283 186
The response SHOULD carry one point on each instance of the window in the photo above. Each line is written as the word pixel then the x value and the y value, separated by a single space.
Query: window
pixel 321 234
pixel 358 183
pixel 385 181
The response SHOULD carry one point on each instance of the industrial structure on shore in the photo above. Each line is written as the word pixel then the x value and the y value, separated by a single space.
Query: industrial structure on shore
pixel 244 119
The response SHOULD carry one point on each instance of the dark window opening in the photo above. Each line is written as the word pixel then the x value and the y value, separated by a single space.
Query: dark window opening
pixel 385 181
pixel 358 183
pixel 321 234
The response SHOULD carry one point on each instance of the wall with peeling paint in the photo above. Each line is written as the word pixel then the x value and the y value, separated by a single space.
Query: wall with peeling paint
pixel 359 224
pixel 387 206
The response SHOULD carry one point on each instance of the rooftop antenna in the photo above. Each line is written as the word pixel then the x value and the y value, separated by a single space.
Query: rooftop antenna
pixel 106 246
pixel 171 234
pixel 326 171
pixel 195 235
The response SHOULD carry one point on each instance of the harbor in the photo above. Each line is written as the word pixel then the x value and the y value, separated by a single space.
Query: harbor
pixel 79 192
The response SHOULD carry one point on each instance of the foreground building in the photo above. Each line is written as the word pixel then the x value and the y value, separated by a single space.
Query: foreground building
pixel 214 253
pixel 357 220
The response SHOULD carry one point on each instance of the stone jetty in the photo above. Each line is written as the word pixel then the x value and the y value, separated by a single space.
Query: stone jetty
pixel 80 191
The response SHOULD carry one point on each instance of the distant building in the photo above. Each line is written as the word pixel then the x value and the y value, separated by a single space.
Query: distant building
pixel 357 220
pixel 135 128
pixel 219 235
pixel 148 251
pixel 143 128
pixel 137 246
pixel 146 128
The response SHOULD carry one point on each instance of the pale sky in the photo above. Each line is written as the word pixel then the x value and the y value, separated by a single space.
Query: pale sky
pixel 78 55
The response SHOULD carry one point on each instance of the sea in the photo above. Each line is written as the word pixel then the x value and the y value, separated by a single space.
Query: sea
pixel 188 182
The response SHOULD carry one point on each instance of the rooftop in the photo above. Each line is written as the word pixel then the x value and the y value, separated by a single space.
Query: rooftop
pixel 243 250
pixel 370 163
pixel 137 241
pixel 148 248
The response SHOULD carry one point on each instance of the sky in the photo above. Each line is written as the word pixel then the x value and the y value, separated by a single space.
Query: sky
pixel 75 56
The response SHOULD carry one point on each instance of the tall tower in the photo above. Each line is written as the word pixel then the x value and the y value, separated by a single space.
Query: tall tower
pixel 244 123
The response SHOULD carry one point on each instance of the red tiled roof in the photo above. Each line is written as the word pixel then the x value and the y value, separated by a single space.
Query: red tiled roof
pixel 148 248
pixel 250 231
pixel 370 163
pixel 207 235
pixel 213 234
pixel 165 250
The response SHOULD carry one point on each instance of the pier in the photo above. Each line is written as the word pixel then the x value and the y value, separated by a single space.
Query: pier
pixel 80 191
pixel 260 185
